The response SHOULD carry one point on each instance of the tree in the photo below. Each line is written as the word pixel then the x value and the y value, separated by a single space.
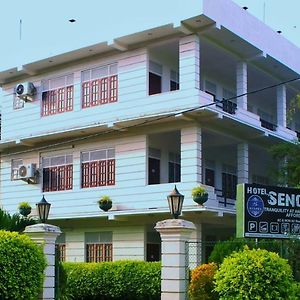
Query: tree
pixel 288 157
pixel 14 222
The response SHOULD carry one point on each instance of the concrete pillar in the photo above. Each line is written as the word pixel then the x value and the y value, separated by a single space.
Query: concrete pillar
pixel 189 62
pixel 191 154
pixel 281 105
pixel 243 163
pixel 45 234
pixel 174 234
pixel 241 84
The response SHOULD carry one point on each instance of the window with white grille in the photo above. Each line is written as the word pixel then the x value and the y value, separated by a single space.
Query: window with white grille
pixel 99 85
pixel 15 165
pixel 57 95
pixel 97 168
pixel 57 173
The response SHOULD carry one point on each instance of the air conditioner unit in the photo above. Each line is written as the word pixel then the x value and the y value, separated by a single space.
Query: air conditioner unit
pixel 25 91
pixel 27 171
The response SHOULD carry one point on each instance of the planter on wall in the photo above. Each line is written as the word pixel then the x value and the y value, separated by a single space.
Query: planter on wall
pixel 201 199
pixel 105 206
pixel 25 211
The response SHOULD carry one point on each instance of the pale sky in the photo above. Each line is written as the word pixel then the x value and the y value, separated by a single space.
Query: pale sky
pixel 46 31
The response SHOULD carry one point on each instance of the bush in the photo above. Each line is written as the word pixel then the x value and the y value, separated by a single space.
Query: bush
pixel 201 286
pixel 254 274
pixel 22 265
pixel 132 280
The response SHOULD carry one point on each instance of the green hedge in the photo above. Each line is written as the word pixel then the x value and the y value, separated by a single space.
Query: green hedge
pixel 255 274
pixel 22 264
pixel 126 280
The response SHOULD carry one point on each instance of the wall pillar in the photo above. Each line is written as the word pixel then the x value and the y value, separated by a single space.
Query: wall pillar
pixel 241 84
pixel 191 155
pixel 45 234
pixel 174 234
pixel 189 62
pixel 281 105
pixel 243 163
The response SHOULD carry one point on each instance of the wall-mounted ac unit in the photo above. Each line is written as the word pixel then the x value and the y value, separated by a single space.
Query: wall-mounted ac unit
pixel 27 172
pixel 25 91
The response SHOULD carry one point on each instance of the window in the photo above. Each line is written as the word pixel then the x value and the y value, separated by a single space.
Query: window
pixel 61 247
pixel 57 95
pixel 155 80
pixel 98 246
pixel 99 85
pixel 97 168
pixel 211 88
pixel 15 165
pixel 154 166
pixel 174 167
pixel 174 82
pixel 229 182
pixel 57 173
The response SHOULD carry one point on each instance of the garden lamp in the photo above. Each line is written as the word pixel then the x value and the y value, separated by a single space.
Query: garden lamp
pixel 43 208
pixel 175 200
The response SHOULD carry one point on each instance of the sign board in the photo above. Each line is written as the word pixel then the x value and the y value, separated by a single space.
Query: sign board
pixel 267 211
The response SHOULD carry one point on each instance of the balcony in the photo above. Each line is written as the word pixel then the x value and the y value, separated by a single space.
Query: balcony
pixel 268 125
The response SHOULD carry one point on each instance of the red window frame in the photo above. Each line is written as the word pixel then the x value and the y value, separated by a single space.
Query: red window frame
pixel 99 252
pixel 59 178
pixel 99 91
pixel 98 173
pixel 57 101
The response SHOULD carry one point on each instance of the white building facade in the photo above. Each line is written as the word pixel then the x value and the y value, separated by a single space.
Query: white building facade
pixel 133 118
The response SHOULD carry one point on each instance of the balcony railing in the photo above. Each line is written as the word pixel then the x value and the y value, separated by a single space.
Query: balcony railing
pixel 226 198
pixel 268 125
pixel 227 106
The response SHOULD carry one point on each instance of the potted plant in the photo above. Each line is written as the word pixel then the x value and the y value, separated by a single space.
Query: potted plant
pixel 199 194
pixel 24 208
pixel 105 203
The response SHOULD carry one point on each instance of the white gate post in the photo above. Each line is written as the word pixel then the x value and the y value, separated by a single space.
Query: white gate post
pixel 174 234
pixel 45 235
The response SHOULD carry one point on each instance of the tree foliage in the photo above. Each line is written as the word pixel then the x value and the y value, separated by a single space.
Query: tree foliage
pixel 288 158
pixel 14 222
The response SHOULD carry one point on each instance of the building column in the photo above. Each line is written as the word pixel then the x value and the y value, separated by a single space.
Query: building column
pixel 189 62
pixel 281 105
pixel 243 163
pixel 45 235
pixel 174 234
pixel 241 84
pixel 191 154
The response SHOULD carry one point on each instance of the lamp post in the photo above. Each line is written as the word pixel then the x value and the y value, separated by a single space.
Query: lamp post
pixel 175 200
pixel 43 208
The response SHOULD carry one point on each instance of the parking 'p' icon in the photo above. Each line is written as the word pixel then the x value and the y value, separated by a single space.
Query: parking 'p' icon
pixel 252 226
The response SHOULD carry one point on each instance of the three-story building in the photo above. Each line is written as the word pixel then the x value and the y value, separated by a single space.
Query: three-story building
pixel 183 104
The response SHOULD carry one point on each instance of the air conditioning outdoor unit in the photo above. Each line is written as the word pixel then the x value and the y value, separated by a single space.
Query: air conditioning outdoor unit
pixel 27 171
pixel 25 91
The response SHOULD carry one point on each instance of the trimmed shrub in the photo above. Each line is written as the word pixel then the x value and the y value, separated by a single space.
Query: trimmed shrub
pixel 254 274
pixel 22 265
pixel 201 286
pixel 126 280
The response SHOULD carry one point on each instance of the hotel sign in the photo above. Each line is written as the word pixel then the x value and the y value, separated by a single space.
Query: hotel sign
pixel 267 211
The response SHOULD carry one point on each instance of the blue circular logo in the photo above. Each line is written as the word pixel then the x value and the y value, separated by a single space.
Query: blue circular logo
pixel 255 206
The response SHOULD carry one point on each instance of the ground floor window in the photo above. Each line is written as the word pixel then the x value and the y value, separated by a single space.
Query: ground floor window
pixel 98 246
pixel 61 247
